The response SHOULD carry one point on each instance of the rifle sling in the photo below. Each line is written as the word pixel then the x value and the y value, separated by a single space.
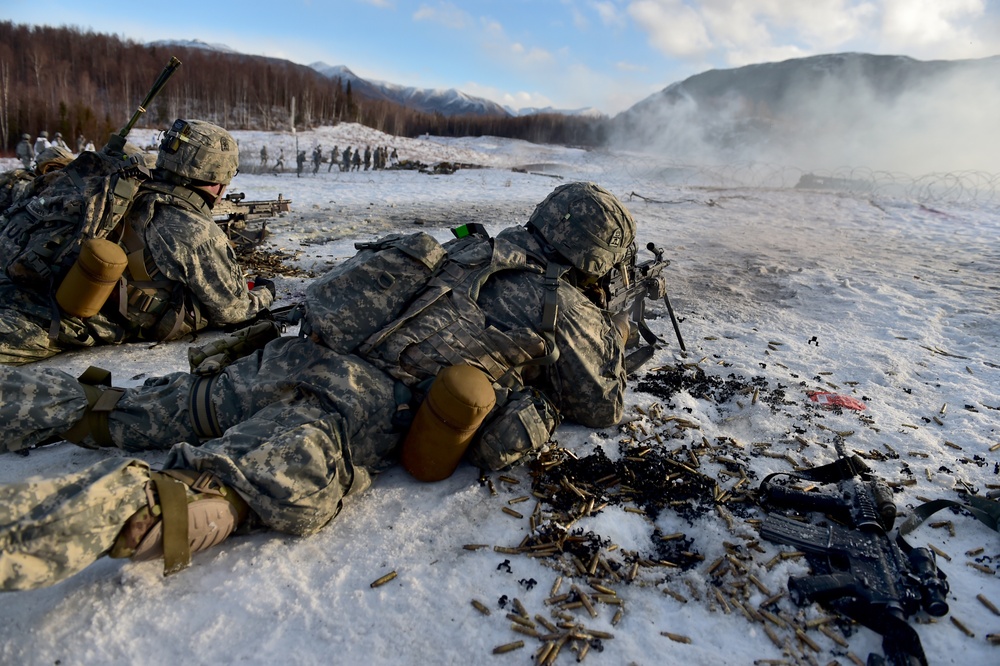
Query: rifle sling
pixel 984 510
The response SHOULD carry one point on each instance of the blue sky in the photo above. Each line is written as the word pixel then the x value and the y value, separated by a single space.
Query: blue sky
pixel 605 54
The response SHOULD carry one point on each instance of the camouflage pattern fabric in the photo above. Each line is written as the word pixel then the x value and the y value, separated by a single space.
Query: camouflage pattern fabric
pixel 304 427
pixel 186 245
pixel 587 380
pixel 51 529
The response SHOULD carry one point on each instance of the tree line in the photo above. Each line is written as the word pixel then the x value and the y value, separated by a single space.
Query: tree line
pixel 82 83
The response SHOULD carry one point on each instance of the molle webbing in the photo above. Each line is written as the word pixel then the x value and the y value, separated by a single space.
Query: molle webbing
pixel 101 401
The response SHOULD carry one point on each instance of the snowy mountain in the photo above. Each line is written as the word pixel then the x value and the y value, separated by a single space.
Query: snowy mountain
pixel 585 112
pixel 449 102
pixel 192 44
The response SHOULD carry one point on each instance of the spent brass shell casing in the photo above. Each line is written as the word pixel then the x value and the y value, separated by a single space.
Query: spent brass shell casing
pixel 806 640
pixel 383 580
pixel 833 636
pixel 508 647
pixel 521 620
pixel 480 606
pixel 540 619
pixel 677 638
pixel 475 546
pixel 989 604
pixel 855 659
pixel 522 629
pixel 964 629
pixel 510 512
pixel 617 617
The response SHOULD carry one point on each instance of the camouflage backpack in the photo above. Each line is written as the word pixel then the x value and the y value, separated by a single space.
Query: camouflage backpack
pixel 41 234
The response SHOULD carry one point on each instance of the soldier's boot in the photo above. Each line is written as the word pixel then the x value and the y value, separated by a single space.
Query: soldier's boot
pixel 186 512
pixel 101 401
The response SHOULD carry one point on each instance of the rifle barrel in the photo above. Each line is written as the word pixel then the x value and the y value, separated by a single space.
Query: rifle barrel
pixel 161 81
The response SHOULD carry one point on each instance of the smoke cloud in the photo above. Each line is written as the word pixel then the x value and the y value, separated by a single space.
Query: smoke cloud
pixel 828 113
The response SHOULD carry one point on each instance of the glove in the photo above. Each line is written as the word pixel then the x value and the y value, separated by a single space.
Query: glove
pixel 624 326
pixel 266 284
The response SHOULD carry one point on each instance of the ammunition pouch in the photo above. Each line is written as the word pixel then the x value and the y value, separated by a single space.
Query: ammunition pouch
pixel 101 401
pixel 522 422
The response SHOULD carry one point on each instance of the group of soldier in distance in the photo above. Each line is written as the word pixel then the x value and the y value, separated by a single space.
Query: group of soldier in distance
pixel 351 159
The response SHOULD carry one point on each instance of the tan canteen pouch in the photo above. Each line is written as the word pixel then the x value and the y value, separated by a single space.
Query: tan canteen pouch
pixel 459 399
pixel 92 278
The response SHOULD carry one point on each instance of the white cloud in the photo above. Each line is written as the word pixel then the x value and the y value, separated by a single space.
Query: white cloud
pixel 609 14
pixel 674 28
pixel 738 32
pixel 938 28
pixel 444 13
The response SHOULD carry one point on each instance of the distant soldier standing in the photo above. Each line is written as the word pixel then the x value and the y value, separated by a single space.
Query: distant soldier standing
pixel 356 161
pixel 368 157
pixel 42 142
pixel 317 158
pixel 334 157
pixel 24 151
pixel 263 157
pixel 60 142
pixel 300 163
pixel 346 165
pixel 280 164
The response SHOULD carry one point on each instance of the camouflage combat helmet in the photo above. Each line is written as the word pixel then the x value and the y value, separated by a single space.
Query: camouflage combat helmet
pixel 26 136
pixel 43 134
pixel 200 151
pixel 53 157
pixel 587 225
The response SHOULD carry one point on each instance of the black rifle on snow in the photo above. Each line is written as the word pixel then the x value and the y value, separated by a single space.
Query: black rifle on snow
pixel 627 288
pixel 864 574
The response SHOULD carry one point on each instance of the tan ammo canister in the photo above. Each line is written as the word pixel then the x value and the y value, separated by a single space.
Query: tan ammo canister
pixel 459 399
pixel 93 277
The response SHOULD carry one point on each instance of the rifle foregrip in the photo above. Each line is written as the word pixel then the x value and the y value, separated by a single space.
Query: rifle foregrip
pixel 809 538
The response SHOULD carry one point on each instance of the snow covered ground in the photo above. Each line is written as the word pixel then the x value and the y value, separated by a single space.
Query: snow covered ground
pixel 891 301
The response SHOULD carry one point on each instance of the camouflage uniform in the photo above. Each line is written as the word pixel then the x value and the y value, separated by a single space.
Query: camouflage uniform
pixel 188 248
pixel 299 426
pixel 190 266
pixel 25 151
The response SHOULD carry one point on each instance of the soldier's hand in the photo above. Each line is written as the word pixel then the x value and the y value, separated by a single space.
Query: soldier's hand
pixel 622 323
